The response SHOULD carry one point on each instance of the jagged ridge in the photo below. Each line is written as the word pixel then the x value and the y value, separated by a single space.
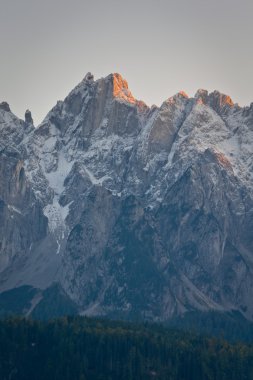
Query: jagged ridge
pixel 132 210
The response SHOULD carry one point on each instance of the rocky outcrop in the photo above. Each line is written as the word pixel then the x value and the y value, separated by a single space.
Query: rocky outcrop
pixel 28 117
pixel 5 106
pixel 22 222
pixel 132 211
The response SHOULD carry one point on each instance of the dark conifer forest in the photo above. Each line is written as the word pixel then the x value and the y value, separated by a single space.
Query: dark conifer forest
pixel 78 348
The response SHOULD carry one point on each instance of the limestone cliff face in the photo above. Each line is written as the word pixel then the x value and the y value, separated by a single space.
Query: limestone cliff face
pixel 22 222
pixel 131 210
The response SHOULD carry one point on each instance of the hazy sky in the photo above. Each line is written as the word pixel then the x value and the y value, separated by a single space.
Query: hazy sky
pixel 159 46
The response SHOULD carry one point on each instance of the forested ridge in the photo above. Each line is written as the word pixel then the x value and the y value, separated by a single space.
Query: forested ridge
pixel 79 348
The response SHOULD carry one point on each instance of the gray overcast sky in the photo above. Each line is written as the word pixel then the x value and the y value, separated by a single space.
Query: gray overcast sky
pixel 159 46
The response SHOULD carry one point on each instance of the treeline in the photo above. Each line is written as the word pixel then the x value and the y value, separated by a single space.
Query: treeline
pixel 231 326
pixel 77 348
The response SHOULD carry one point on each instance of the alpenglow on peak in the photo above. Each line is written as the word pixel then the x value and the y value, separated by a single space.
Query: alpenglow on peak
pixel 131 211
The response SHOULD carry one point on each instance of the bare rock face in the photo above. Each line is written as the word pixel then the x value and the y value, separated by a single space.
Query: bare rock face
pixel 5 106
pixel 132 211
pixel 22 221
pixel 28 117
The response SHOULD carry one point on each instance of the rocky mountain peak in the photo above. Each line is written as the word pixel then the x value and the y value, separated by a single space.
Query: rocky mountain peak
pixel 89 78
pixel 131 212
pixel 201 96
pixel 28 117
pixel 121 90
pixel 183 94
pixel 5 106
pixel 221 99
pixel 215 99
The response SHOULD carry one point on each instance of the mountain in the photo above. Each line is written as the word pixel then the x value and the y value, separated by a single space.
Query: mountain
pixel 128 211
